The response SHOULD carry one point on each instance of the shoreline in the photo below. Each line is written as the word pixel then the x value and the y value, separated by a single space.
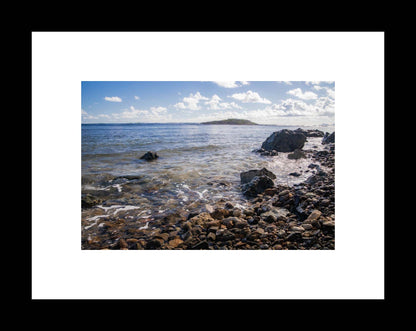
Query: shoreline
pixel 282 217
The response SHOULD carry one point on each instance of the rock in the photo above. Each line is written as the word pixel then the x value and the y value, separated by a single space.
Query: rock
pixel 313 216
pixel 154 243
pixel 257 185
pixel 294 174
pixel 310 132
pixel 149 156
pixel 224 235
pixel 209 208
pixel 328 224
pixel 284 141
pixel 297 228
pixel 294 236
pixel 269 217
pixel 236 212
pixel 122 244
pixel 248 176
pixel 328 138
pixel 89 200
pixel 211 236
pixel 270 191
pixel 174 243
pixel 220 213
pixel 263 152
pixel 297 154
pixel 201 245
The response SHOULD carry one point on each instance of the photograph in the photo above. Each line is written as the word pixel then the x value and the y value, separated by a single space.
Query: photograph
pixel 207 165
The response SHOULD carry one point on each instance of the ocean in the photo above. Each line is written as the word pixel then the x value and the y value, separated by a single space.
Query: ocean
pixel 198 165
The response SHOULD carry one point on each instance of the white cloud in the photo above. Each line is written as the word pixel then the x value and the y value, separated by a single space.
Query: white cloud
pixel 286 82
pixel 113 99
pixel 215 104
pixel 136 97
pixel 250 96
pixel 297 92
pixel 230 84
pixel 317 82
pixel 330 92
pixel 154 114
pixel 158 110
pixel 191 102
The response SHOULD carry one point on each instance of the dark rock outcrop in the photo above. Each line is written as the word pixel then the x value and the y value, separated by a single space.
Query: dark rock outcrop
pixel 328 138
pixel 284 141
pixel 256 181
pixel 247 176
pixel 149 156
pixel 257 185
pixel 310 133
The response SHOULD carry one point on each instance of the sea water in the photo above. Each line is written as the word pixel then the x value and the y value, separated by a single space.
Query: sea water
pixel 197 165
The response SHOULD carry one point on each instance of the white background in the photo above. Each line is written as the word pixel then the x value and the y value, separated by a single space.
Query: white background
pixel 61 60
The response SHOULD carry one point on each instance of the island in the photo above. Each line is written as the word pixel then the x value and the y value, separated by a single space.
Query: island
pixel 232 121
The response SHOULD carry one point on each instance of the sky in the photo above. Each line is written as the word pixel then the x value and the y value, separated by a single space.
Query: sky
pixel 263 102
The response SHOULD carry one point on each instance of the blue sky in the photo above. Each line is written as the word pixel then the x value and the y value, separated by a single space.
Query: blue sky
pixel 263 102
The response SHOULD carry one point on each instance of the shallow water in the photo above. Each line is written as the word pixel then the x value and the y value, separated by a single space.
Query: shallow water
pixel 197 165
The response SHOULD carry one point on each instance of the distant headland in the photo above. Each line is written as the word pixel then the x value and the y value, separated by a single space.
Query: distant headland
pixel 232 121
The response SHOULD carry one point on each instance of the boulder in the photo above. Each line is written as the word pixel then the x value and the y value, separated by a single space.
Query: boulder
pixel 284 141
pixel 247 176
pixel 149 156
pixel 328 138
pixel 257 185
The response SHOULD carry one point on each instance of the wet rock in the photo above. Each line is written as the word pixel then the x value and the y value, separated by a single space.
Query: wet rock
pixel 220 213
pixel 270 191
pixel 257 185
pixel 328 138
pixel 89 200
pixel 310 132
pixel 154 243
pixel 149 156
pixel 248 176
pixel 211 236
pixel 294 174
pixel 297 154
pixel 284 141
pixel 264 152
pixel 313 216
pixel 224 235
pixel 201 245
pixel 236 212
pixel 122 244
pixel 174 243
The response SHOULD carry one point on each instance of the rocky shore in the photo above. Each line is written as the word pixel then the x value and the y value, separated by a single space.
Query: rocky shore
pixel 275 217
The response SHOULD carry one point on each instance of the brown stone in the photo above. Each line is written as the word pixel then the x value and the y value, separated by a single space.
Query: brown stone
pixel 174 243
pixel 122 244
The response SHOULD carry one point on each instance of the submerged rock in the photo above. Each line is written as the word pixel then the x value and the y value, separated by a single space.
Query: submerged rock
pixel 284 141
pixel 89 200
pixel 297 154
pixel 149 156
